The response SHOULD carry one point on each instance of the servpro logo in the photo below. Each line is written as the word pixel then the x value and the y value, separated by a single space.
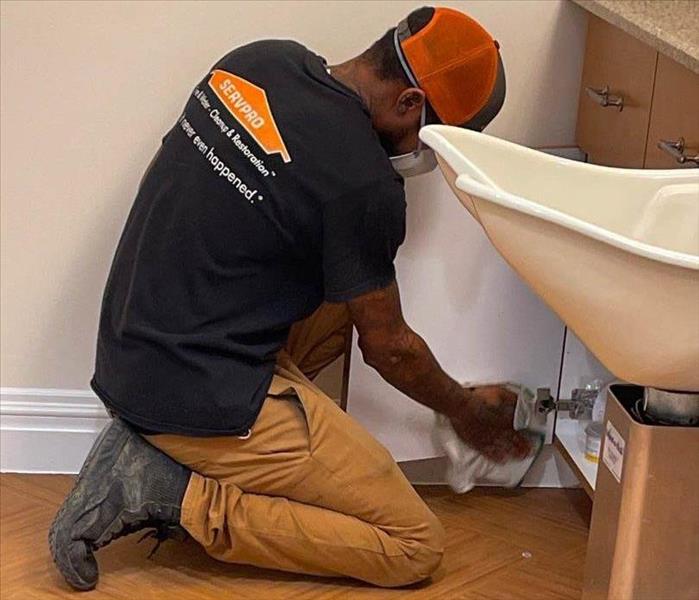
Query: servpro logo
pixel 248 104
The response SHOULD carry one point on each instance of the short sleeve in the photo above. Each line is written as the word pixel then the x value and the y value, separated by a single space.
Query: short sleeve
pixel 362 231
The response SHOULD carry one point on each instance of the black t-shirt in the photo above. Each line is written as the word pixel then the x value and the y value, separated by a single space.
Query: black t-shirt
pixel 270 194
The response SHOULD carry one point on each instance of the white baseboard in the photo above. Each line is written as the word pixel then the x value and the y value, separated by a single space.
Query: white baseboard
pixel 47 430
pixel 51 431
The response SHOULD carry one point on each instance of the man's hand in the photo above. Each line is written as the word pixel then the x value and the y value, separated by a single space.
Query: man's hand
pixel 484 422
pixel 495 402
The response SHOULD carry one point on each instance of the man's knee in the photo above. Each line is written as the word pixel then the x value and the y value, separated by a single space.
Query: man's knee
pixel 423 556
pixel 430 550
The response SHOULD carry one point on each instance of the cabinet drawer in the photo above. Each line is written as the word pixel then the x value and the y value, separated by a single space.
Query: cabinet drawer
pixel 675 114
pixel 626 66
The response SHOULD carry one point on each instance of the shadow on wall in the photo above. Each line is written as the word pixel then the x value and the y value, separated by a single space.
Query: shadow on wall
pixel 543 83
pixel 70 317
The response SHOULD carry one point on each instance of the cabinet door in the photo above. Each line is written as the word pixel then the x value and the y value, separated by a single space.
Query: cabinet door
pixel 481 321
pixel 626 67
pixel 675 114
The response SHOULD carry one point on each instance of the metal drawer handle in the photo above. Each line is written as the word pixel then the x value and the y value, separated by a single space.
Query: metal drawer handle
pixel 604 98
pixel 677 151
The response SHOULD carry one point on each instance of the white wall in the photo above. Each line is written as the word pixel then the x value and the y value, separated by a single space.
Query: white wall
pixel 89 88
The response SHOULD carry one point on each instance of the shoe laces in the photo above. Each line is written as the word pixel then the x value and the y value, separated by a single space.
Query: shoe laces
pixel 160 533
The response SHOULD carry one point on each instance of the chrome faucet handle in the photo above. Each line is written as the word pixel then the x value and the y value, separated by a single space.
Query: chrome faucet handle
pixel 604 98
pixel 677 151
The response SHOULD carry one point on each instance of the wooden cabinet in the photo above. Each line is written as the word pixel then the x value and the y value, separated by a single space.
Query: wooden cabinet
pixel 631 98
pixel 674 114
pixel 620 63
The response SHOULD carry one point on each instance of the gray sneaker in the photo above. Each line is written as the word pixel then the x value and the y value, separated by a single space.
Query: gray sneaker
pixel 125 485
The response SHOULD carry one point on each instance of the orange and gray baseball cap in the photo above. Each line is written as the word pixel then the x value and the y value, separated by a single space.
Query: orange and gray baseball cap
pixel 456 62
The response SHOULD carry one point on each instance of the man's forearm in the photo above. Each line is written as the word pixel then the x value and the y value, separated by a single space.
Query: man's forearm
pixel 482 417
pixel 409 365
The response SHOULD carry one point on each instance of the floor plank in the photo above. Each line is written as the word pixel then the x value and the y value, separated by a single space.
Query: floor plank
pixel 501 545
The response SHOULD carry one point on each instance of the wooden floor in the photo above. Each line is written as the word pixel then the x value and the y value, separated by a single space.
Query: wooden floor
pixel 527 544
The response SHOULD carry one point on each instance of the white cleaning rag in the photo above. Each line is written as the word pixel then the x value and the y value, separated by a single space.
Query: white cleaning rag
pixel 468 468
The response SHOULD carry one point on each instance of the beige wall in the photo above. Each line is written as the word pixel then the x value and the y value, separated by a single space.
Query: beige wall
pixel 88 89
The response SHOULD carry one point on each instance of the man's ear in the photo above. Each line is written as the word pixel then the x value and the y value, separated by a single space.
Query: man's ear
pixel 410 99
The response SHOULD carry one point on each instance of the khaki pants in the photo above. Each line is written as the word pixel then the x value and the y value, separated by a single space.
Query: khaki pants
pixel 310 491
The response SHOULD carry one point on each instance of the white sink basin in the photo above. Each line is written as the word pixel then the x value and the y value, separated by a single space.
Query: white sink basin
pixel 614 252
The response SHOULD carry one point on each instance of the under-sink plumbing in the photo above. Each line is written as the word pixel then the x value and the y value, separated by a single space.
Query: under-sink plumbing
pixel 654 407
